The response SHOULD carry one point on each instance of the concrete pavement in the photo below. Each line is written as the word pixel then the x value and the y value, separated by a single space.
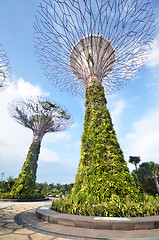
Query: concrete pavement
pixel 18 221
pixel 10 230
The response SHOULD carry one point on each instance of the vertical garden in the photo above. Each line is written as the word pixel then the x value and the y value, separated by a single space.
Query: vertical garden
pixel 96 47
pixel 102 171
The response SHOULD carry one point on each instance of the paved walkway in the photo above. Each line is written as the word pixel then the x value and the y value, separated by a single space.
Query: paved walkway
pixel 9 230
pixel 33 229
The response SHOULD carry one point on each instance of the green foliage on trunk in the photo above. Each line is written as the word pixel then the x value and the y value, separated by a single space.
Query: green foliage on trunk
pixel 24 186
pixel 102 172
pixel 103 184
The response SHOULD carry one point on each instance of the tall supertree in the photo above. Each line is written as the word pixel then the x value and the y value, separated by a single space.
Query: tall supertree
pixel 4 69
pixel 95 47
pixel 41 116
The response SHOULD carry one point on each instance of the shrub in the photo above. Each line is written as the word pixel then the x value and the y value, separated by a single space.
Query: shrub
pixel 10 195
pixel 115 208
pixel 6 186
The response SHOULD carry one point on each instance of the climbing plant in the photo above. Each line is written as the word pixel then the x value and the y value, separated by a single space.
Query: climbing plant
pixel 102 171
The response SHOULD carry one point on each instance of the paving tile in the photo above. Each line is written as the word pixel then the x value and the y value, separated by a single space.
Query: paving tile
pixel 4 230
pixel 14 237
pixel 59 238
pixel 40 236
pixel 24 231
pixel 11 225
pixel 9 230
pixel 11 216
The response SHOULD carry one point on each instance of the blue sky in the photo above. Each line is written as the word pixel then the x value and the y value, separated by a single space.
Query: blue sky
pixel 134 109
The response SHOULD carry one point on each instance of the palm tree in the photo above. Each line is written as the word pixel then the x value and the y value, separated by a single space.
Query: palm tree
pixel 41 116
pixel 134 160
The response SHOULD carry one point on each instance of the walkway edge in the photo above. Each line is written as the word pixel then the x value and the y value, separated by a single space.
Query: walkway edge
pixel 92 222
pixel 24 200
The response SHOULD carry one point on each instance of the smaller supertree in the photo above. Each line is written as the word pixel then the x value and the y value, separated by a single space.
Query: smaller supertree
pixel 4 69
pixel 41 116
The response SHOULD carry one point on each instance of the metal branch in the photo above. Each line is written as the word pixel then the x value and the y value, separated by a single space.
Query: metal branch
pixel 60 25
pixel 5 68
pixel 40 115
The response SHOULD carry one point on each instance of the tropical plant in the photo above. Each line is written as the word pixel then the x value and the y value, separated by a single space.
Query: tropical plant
pixel 6 186
pixel 147 177
pixel 41 189
pixel 134 160
pixel 102 171
pixel 53 189
pixel 115 208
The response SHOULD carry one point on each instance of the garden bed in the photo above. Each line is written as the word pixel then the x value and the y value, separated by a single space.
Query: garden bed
pixel 24 200
pixel 94 222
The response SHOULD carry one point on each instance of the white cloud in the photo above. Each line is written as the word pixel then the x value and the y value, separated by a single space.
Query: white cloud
pixel 25 88
pixel 116 109
pixel 74 125
pixel 57 136
pixel 153 60
pixel 144 139
pixel 21 88
pixel 12 151
pixel 64 135
pixel 49 155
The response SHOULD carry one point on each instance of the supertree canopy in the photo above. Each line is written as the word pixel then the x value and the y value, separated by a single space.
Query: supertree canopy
pixel 75 40
pixel 4 69
pixel 95 47
pixel 41 116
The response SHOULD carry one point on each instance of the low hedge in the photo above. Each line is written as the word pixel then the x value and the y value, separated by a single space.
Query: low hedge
pixel 128 208
pixel 10 195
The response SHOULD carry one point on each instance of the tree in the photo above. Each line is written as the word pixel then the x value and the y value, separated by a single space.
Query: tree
pixel 41 116
pixel 6 186
pixel 102 171
pixel 155 172
pixel 95 47
pixel 4 69
pixel 147 177
pixel 51 189
pixel 134 160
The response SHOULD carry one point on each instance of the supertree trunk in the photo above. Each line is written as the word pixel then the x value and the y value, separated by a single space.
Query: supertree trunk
pixel 102 171
pixel 41 116
pixel 24 186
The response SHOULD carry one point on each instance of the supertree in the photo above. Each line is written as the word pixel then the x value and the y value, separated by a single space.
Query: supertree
pixel 4 69
pixel 41 116
pixel 95 47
